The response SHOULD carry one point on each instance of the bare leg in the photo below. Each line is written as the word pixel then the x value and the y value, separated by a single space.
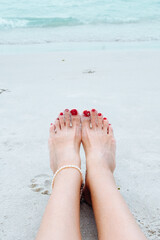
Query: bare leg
pixel 61 219
pixel 113 218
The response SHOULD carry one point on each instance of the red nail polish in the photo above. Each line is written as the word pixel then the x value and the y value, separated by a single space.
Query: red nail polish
pixel 66 110
pixel 57 118
pixel 93 110
pixel 61 114
pixel 99 114
pixel 74 112
pixel 86 113
pixel 104 118
pixel 51 124
pixel 109 124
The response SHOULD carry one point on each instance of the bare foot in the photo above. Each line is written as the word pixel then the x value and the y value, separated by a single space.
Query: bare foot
pixel 65 140
pixel 99 145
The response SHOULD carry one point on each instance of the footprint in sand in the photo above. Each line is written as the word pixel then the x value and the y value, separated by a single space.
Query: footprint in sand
pixel 41 184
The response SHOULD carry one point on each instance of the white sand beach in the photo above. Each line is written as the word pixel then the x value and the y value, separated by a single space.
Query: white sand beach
pixel 34 88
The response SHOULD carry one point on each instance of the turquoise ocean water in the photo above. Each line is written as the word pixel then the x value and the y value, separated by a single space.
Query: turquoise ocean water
pixel 79 24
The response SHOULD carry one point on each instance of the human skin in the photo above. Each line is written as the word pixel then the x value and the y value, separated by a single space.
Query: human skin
pixel 113 218
pixel 61 219
pixel 62 215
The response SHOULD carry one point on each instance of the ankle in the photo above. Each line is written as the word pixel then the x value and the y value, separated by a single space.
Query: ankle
pixel 67 177
pixel 97 166
pixel 100 162
pixel 97 173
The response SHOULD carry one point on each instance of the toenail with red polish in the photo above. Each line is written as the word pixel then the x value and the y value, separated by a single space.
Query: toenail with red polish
pixel 93 110
pixel 109 124
pixel 74 112
pixel 86 113
pixel 99 114
pixel 66 110
pixel 51 124
pixel 57 118
pixel 104 118
pixel 61 114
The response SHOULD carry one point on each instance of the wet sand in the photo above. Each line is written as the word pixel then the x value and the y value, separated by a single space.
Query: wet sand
pixel 124 85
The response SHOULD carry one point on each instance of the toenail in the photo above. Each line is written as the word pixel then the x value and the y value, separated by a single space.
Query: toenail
pixel 86 113
pixel 61 114
pixel 51 124
pixel 93 110
pixel 74 112
pixel 66 110
pixel 104 118
pixel 57 118
pixel 109 124
pixel 99 114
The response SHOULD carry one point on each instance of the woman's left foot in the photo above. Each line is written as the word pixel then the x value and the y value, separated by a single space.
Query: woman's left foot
pixel 99 146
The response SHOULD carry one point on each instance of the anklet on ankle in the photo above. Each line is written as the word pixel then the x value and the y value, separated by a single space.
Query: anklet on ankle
pixel 64 167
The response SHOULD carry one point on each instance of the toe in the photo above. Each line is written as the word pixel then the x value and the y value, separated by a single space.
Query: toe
pixel 94 118
pixel 57 124
pixel 105 124
pixel 85 118
pixel 100 120
pixel 52 130
pixel 75 117
pixel 110 130
pixel 61 120
pixel 67 117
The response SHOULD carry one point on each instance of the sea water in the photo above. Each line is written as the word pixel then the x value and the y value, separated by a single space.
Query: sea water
pixel 77 24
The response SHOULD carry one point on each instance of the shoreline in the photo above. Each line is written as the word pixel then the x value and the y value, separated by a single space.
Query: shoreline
pixel 7 49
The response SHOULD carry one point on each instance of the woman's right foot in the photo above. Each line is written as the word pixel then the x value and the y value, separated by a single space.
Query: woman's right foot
pixel 99 146
pixel 65 140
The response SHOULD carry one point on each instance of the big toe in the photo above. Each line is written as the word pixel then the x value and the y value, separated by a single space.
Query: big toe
pixel 85 118
pixel 75 117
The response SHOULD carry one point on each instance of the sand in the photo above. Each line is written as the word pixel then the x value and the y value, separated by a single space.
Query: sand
pixel 34 88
